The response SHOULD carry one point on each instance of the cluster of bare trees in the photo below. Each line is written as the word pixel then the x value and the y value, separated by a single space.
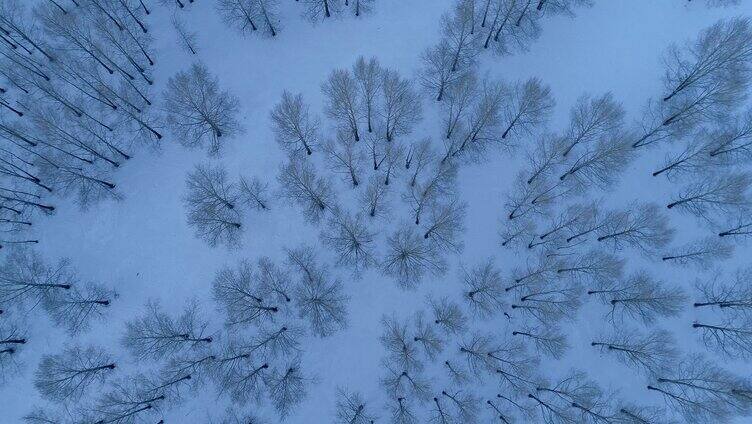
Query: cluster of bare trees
pixel 262 16
pixel 268 310
pixel 370 98
pixel 79 100
pixel 504 26
pixel 575 244
pixel 216 206
pixel 371 110
pixel 472 26
pixel 706 85
pixel 76 80
pixel 27 283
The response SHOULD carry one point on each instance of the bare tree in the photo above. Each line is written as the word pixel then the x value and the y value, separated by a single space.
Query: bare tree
pixel 641 226
pixel 575 398
pixel 211 203
pixel 129 399
pixel 320 301
pixel 549 302
pixel 504 409
pixel 410 257
pixel 458 32
pixel 402 411
pixel 701 253
pixel 436 74
pixel 600 163
pixel 722 51
pixel 652 353
pixel 301 185
pixel 351 409
pixel 446 225
pixel 427 337
pixel 368 79
pixel 360 7
pixel 561 7
pixel 530 105
pixel 707 78
pixel 351 240
pixel 345 157
pixel 732 143
pixel 736 226
pixel 157 335
pixel 591 119
pixel 547 340
pixel 514 233
pixel 639 297
pixel 508 361
pixel 394 154
pixel 274 281
pixel 439 183
pixel 484 288
pixel 237 372
pixel 402 350
pixel 637 414
pixel 250 16
pixel 536 272
pixel 418 157
pixel 13 340
pixel 294 128
pixel 459 100
pixel 321 9
pixel 239 294
pixel 186 37
pixel 729 336
pixel 448 315
pixel 732 296
pixel 481 123
pixel 375 198
pixel 287 387
pixel 510 25
pixel 198 113
pixel 75 309
pixel 694 156
pixel 459 405
pixel 253 193
pixel 401 108
pixel 68 375
pixel 26 280
pixel 700 391
pixel 403 383
pixel 594 266
pixel 232 417
pixel 343 101
pixel 709 196
pixel 570 221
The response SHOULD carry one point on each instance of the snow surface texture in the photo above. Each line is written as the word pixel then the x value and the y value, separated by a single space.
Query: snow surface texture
pixel 143 248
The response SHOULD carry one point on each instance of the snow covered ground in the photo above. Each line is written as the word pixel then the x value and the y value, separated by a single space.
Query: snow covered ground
pixel 143 248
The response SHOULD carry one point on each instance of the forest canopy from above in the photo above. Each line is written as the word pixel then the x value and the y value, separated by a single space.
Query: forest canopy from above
pixel 375 211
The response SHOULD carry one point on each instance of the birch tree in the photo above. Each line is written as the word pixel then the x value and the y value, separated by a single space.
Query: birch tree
pixel 69 375
pixel 342 101
pixel 198 112
pixel 211 202
pixel 401 108
pixel 530 105
pixel 301 185
pixel 651 353
pixel 156 334
pixel 294 128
